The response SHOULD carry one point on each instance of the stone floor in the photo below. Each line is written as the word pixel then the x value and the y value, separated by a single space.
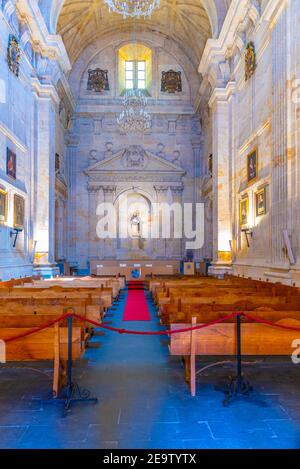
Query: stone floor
pixel 144 402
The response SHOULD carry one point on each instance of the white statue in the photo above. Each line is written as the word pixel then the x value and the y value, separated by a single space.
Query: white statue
pixel 135 225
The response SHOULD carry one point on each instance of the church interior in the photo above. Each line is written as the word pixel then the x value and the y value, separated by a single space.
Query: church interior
pixel 149 224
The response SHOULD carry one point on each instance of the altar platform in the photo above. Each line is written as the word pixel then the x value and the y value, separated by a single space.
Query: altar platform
pixel 135 269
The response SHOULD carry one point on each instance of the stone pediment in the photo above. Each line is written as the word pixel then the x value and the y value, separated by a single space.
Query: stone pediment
pixel 136 162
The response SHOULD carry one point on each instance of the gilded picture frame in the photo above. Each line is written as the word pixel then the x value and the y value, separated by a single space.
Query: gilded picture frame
pixel 19 212
pixel 11 163
pixel 244 212
pixel 252 166
pixel 261 202
pixel 3 205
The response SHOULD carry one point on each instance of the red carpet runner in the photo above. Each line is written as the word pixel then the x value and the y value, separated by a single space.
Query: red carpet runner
pixel 136 305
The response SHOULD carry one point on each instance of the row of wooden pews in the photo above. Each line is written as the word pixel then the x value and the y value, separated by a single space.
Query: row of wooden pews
pixel 184 302
pixel 30 303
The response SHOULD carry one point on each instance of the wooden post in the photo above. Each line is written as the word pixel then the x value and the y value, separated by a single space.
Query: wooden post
pixel 56 370
pixel 193 359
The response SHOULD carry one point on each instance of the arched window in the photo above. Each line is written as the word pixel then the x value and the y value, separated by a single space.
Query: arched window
pixel 135 68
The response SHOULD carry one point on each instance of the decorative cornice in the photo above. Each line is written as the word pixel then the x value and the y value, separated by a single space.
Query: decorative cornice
pixel 222 94
pixel 49 45
pixel 13 138
pixel 44 91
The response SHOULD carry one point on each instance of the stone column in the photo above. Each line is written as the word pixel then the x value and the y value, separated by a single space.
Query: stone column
pixel 71 161
pixel 177 244
pixel 197 146
pixel 161 244
pixel 95 195
pixel 110 245
pixel 44 226
pixel 220 103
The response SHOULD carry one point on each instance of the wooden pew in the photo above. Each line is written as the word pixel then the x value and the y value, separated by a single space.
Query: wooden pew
pixel 48 344
pixel 220 340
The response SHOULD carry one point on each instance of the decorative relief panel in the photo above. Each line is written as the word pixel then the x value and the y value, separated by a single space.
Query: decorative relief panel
pixel 13 55
pixel 250 61
pixel 171 82
pixel 98 80
pixel 135 157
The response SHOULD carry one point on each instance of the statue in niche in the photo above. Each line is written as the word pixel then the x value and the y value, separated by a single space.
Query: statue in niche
pixel 135 225
pixel 98 80
pixel 171 82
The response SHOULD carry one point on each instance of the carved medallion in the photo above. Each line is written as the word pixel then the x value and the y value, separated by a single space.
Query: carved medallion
pixel 135 157
pixel 250 60
pixel 13 55
pixel 98 80
pixel 171 82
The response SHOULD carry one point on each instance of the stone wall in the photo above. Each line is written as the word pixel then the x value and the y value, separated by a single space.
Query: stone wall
pixel 259 114
pixel 174 137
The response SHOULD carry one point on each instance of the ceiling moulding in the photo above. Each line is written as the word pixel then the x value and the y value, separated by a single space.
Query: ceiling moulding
pixel 12 137
pixel 49 45
pixel 215 49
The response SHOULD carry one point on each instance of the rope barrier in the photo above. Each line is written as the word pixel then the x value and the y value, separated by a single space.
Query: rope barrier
pixel 151 333
pixel 39 329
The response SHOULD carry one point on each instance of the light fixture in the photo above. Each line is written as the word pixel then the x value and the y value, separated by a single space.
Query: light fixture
pixel 133 8
pixel 15 232
pixel 248 232
pixel 134 117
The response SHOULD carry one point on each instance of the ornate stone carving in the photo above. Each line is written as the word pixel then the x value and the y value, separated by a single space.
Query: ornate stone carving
pixel 161 150
pixel 13 55
pixel 135 157
pixel 176 157
pixel 250 60
pixel 98 80
pixel 171 82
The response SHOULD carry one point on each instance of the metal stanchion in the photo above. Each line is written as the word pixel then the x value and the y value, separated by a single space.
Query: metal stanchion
pixel 237 386
pixel 72 393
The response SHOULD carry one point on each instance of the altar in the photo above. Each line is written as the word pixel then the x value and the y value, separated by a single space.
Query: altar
pixel 133 269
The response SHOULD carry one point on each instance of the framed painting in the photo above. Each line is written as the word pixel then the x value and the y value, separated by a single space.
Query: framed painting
pixel 252 166
pixel 11 164
pixel 19 212
pixel 3 206
pixel 244 212
pixel 261 202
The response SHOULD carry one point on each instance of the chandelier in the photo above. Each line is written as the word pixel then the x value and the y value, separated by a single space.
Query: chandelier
pixel 134 117
pixel 133 8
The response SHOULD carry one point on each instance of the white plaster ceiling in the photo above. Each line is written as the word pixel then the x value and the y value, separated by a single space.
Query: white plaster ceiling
pixel 185 21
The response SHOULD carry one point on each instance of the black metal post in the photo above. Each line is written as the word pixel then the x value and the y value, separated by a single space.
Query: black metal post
pixel 239 352
pixel 72 392
pixel 237 386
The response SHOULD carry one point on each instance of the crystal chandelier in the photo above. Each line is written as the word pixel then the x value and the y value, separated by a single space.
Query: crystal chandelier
pixel 133 8
pixel 134 117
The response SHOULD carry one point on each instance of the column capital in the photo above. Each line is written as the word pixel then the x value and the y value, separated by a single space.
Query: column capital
pixel 222 94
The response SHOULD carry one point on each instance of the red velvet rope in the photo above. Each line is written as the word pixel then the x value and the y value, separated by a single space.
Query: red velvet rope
pixel 154 333
pixel 39 329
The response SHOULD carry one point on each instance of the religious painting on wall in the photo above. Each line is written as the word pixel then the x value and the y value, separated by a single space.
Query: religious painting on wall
pixel 98 80
pixel 13 55
pixel 3 206
pixel 252 166
pixel 171 82
pixel 244 212
pixel 261 202
pixel 11 164
pixel 250 61
pixel 19 212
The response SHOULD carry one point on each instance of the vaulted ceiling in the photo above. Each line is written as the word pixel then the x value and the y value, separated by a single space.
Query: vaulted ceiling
pixel 185 21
